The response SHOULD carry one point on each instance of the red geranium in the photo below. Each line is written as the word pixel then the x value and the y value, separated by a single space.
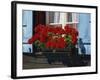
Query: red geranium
pixel 50 44
pixel 42 39
pixel 34 38
pixel 54 37
pixel 38 28
pixel 61 43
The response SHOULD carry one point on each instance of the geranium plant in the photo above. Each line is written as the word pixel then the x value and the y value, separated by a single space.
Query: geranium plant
pixel 53 37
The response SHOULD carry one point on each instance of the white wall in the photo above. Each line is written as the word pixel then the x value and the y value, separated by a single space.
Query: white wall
pixel 5 40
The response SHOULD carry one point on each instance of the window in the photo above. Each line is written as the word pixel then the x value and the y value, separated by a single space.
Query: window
pixel 81 21
pixel 61 18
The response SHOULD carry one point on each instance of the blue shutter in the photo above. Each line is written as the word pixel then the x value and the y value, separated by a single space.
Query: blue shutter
pixel 84 28
pixel 27 30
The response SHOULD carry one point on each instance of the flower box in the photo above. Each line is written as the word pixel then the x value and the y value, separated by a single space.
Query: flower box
pixel 56 43
pixel 68 57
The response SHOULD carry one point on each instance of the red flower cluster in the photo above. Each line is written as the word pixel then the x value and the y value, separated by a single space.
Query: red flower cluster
pixel 52 36
pixel 56 43
pixel 72 32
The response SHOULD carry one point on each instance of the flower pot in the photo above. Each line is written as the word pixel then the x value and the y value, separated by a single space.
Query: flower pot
pixel 61 55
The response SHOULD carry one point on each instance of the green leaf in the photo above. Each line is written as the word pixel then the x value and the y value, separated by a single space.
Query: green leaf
pixel 42 45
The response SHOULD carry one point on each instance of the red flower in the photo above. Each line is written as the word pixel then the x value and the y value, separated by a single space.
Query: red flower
pixel 74 40
pixel 50 44
pixel 30 41
pixel 70 30
pixel 44 32
pixel 61 42
pixel 42 38
pixel 52 36
pixel 39 27
pixel 34 38
pixel 67 29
